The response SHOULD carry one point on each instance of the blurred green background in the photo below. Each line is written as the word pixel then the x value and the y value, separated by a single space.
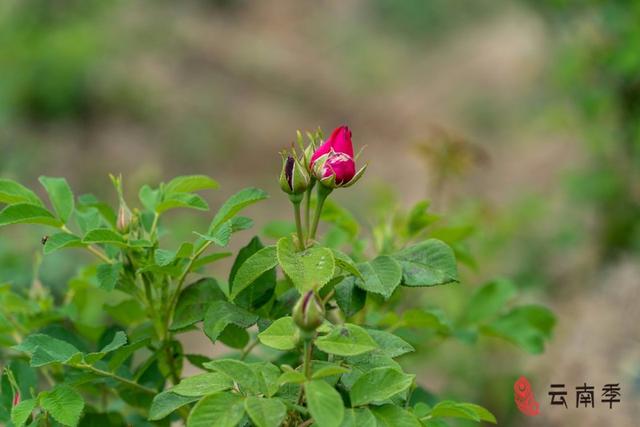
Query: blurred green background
pixel 519 120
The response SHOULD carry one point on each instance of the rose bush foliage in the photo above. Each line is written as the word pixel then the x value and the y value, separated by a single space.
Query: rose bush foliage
pixel 314 325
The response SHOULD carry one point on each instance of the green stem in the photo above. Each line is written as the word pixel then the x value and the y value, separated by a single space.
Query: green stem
pixel 171 361
pixel 171 308
pixel 91 249
pixel 307 208
pixel 181 279
pixel 154 224
pixel 123 380
pixel 323 193
pixel 248 349
pixel 308 351
pixel 296 212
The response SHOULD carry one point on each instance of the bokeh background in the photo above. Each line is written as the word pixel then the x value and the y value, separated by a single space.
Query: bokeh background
pixel 518 120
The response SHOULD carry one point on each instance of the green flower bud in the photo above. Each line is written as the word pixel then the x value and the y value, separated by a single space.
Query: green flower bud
pixel 308 313
pixel 294 178
pixel 124 213
pixel 124 218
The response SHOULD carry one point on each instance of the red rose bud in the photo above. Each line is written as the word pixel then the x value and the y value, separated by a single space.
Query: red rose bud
pixel 333 162
pixel 16 398
pixel 294 179
pixel 308 313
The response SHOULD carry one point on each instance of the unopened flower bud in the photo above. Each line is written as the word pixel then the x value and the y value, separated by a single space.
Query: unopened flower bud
pixel 294 178
pixel 124 218
pixel 16 398
pixel 308 313
pixel 333 162
pixel 124 213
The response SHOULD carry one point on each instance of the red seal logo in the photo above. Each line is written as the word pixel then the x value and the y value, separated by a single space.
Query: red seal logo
pixel 525 400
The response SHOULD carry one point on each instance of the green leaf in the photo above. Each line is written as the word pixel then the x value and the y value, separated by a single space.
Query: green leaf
pixel 340 217
pixel 203 384
pixel 526 326
pixel 292 377
pixel 190 183
pixel 346 340
pixel 104 236
pixel 325 404
pixel 45 349
pixel 265 412
pixel 238 371
pixel 221 235
pixel 193 302
pixel 221 314
pixel 181 200
pixel 149 197
pixel 489 300
pixel 279 335
pixel 166 402
pixel 345 262
pixel 240 223
pixel 467 411
pixel 164 257
pixel 378 385
pixel 235 204
pixel 328 371
pixel 359 417
pixel 121 355
pixel 482 413
pixel 427 319
pixel 382 275
pixel 350 298
pixel 23 213
pixel 88 218
pixel 364 363
pixel 12 192
pixel 21 412
pixel 61 240
pixel 429 263
pixel 269 374
pixel 88 201
pixel 394 416
pixel 308 270
pixel 60 195
pixel 64 404
pixel 119 340
pixel 260 291
pixel 108 275
pixel 217 410
pixel 390 344
pixel 254 267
